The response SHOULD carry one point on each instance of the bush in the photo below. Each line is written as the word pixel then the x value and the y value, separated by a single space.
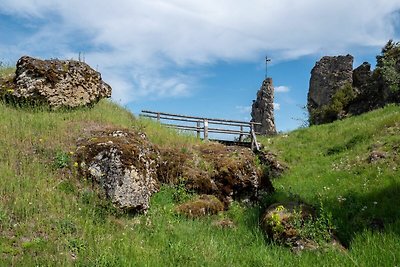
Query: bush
pixel 336 109
pixel 388 65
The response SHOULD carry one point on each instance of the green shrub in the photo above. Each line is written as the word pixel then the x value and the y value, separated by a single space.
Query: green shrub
pixel 388 65
pixel 336 108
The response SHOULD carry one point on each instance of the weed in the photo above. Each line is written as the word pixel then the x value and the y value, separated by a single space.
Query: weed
pixel 62 159
pixel 181 194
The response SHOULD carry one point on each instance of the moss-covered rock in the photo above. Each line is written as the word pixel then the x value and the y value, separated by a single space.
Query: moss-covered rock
pixel 57 83
pixel 229 173
pixel 123 164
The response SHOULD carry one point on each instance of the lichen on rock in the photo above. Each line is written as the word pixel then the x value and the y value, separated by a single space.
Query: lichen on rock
pixel 57 83
pixel 123 164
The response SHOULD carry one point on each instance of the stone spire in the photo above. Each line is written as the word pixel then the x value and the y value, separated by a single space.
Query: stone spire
pixel 263 109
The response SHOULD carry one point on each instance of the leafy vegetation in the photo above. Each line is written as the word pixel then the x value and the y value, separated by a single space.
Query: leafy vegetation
pixel 388 64
pixel 49 216
pixel 336 108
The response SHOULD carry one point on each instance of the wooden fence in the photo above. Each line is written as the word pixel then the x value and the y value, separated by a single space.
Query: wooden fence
pixel 207 125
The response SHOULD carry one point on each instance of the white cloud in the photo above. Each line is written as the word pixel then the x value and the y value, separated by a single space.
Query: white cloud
pixel 157 40
pixel 243 109
pixel 281 89
pixel 277 106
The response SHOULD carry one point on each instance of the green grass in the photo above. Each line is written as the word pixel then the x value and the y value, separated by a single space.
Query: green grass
pixel 51 217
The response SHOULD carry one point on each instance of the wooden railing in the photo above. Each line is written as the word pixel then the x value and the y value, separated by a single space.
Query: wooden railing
pixel 206 126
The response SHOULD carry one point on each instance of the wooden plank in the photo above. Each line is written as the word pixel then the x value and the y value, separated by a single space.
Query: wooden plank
pixel 200 118
pixel 165 118
pixel 194 121
pixel 210 130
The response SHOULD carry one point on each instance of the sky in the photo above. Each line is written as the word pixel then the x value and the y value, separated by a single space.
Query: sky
pixel 202 58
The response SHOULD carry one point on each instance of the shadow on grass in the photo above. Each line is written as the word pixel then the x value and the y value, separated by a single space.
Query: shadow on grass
pixel 355 212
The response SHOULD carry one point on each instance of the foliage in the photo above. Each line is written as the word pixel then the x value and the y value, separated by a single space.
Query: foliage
pixel 318 229
pixel 336 108
pixel 62 159
pixel 388 65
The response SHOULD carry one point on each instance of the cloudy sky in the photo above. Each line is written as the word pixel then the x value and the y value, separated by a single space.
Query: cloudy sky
pixel 204 57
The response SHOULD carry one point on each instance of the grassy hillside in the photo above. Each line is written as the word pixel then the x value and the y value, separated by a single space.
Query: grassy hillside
pixel 50 216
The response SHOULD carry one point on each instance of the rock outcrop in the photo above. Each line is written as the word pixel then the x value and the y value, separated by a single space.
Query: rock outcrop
pixel 229 173
pixel 263 109
pixel 128 169
pixel 337 91
pixel 58 83
pixel 328 76
pixel 124 166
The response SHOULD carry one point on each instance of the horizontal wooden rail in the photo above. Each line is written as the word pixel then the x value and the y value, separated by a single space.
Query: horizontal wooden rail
pixel 199 118
pixel 202 125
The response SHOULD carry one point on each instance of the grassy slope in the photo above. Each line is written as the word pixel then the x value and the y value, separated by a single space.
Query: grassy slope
pixel 50 217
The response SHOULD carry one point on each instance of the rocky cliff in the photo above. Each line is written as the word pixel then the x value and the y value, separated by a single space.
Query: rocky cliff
pixel 337 91
pixel 263 109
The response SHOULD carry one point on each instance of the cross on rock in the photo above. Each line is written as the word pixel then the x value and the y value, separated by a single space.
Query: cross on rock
pixel 266 66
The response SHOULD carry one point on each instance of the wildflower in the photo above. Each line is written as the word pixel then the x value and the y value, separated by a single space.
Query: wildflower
pixel 71 152
pixel 364 208
pixel 375 203
pixel 76 164
pixel 40 140
pixel 10 91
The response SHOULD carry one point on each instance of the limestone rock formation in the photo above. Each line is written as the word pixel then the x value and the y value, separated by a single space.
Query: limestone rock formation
pixel 328 76
pixel 123 164
pixel 336 91
pixel 263 109
pixel 362 77
pixel 58 83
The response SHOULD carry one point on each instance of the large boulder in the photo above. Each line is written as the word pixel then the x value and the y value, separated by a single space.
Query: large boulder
pixel 58 83
pixel 123 164
pixel 263 109
pixel 328 76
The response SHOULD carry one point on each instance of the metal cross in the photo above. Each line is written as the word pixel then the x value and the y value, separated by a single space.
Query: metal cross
pixel 266 66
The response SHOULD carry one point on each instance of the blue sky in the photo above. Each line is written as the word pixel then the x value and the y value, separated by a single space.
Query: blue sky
pixel 203 58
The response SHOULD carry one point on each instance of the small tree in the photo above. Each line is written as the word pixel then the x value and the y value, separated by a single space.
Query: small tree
pixel 388 65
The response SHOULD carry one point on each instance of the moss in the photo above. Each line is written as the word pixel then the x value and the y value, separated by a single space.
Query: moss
pixel 202 206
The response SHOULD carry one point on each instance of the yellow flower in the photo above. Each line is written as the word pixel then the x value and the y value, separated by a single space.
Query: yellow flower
pixel 10 91
pixel 76 164
pixel 71 152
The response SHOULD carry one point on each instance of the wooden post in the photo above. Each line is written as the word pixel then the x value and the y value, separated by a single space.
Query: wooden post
pixel 198 129
pixel 254 144
pixel 205 121
pixel 158 117
pixel 241 135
